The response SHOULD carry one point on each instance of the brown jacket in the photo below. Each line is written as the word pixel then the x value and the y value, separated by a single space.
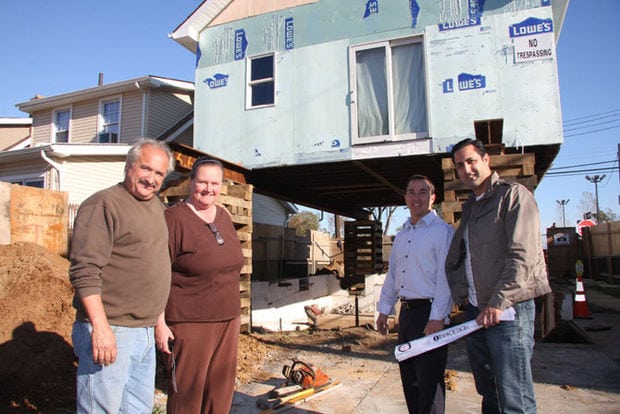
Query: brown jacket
pixel 506 251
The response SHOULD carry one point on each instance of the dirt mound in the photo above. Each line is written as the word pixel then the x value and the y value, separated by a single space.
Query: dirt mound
pixel 37 364
pixel 37 367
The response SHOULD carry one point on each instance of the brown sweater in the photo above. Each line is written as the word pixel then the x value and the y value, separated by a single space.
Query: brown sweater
pixel 205 275
pixel 119 251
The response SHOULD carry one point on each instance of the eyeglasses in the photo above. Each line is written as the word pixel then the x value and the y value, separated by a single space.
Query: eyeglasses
pixel 218 237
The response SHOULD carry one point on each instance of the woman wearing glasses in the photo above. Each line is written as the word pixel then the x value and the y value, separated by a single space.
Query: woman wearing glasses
pixel 199 330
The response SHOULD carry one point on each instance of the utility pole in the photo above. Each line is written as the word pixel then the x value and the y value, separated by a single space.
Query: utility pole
pixel 596 179
pixel 563 203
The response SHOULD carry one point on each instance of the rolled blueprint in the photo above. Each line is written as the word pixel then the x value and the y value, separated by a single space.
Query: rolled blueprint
pixel 443 337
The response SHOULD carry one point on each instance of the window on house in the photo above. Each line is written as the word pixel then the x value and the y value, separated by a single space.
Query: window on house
pixel 30 182
pixel 389 91
pixel 261 85
pixel 61 126
pixel 110 121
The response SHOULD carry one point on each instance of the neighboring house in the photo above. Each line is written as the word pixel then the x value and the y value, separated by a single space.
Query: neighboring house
pixel 80 139
pixel 15 133
pixel 333 104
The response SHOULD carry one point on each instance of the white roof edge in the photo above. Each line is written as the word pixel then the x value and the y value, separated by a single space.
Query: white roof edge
pixel 67 150
pixel 187 33
pixel 15 121
pixel 111 88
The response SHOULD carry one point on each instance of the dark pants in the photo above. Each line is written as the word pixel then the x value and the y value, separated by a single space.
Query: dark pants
pixel 422 376
pixel 205 367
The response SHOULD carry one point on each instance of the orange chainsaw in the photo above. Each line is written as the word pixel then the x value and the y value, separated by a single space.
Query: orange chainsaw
pixel 305 375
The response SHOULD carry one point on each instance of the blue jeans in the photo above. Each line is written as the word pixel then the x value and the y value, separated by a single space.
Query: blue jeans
pixel 500 359
pixel 127 385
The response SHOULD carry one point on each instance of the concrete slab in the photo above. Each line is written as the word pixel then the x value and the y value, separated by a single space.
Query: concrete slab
pixel 569 378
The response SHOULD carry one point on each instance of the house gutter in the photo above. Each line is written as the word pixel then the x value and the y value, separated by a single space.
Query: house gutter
pixel 54 165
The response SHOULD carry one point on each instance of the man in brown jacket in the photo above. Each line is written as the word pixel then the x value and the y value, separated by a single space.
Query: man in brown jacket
pixel 496 262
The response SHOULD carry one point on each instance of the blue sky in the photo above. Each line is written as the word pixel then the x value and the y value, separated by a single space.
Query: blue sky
pixel 53 47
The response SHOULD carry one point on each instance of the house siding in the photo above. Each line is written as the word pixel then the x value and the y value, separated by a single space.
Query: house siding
pixel 10 135
pixel 42 127
pixel 267 210
pixel 84 118
pixel 78 175
pixel 165 108
pixel 131 117
pixel 21 170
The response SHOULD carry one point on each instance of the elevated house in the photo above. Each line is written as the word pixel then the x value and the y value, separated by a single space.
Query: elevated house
pixel 333 104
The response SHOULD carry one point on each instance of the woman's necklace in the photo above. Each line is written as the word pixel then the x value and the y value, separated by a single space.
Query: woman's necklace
pixel 207 215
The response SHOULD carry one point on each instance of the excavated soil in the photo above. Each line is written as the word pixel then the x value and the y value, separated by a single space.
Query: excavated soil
pixel 37 364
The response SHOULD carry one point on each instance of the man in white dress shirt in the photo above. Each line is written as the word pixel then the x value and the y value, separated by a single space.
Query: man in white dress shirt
pixel 416 277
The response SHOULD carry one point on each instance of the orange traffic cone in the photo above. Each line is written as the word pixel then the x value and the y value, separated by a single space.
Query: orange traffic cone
pixel 580 305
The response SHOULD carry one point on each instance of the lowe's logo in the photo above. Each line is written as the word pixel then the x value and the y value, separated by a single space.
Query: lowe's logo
pixel 241 44
pixel 531 26
pixel 218 80
pixel 469 82
pixel 289 33
pixel 372 7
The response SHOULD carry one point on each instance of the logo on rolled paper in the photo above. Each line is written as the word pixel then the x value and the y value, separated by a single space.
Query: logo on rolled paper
pixel 450 332
pixel 404 347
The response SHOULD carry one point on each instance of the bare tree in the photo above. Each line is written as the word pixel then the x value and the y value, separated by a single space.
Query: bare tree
pixel 384 215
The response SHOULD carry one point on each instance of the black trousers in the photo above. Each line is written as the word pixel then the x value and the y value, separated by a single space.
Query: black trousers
pixel 422 376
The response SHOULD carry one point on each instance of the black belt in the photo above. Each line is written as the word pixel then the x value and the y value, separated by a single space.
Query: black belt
pixel 409 304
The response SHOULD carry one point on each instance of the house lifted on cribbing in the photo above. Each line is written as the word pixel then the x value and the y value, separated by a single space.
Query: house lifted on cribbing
pixel 333 104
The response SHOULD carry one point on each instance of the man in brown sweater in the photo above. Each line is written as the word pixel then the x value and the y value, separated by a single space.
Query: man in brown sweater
pixel 120 270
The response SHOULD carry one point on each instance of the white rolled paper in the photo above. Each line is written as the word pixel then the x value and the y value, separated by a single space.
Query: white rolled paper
pixel 443 337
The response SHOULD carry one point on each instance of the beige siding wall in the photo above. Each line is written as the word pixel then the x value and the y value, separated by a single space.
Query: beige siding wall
pixel 12 134
pixel 165 109
pixel 84 122
pixel 21 170
pixel 41 127
pixel 131 117
pixel 86 175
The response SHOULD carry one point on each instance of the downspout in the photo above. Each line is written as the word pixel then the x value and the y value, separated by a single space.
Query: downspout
pixel 54 165
pixel 143 120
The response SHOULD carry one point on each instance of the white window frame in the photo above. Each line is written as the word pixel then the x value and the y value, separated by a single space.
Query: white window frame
pixel 55 129
pixel 391 136
pixel 250 84
pixel 102 121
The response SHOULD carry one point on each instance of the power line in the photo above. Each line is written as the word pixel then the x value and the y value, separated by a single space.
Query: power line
pixel 582 165
pixel 589 132
pixel 591 121
pixel 581 172
pixel 613 111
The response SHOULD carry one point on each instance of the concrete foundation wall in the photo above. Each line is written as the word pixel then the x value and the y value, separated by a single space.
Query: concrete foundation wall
pixel 280 307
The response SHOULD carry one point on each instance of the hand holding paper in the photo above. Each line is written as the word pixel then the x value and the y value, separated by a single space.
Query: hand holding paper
pixel 443 337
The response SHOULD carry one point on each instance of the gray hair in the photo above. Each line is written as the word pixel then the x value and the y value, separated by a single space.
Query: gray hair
pixel 136 150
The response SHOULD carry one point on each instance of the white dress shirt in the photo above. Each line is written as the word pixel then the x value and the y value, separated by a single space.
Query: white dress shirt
pixel 416 269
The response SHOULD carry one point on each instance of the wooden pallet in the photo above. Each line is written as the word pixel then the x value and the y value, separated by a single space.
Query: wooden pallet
pixel 511 167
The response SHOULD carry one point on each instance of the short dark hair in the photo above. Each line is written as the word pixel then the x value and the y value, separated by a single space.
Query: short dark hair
pixel 416 177
pixel 204 161
pixel 478 146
